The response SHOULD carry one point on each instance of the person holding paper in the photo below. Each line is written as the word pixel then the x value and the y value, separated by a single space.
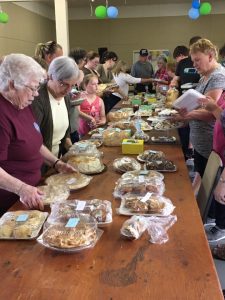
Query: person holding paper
pixel 212 83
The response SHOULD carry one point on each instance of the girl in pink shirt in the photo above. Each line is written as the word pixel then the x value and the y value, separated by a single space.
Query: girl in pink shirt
pixel 91 110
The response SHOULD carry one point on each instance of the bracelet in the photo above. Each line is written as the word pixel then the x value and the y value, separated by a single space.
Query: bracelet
pixel 55 163
pixel 222 180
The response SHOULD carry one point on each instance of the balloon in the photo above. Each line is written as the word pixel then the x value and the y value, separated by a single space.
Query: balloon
pixel 112 12
pixel 4 18
pixel 196 3
pixel 205 8
pixel 101 12
pixel 193 13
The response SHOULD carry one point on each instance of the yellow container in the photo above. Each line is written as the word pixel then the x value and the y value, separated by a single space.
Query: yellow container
pixel 132 146
pixel 151 100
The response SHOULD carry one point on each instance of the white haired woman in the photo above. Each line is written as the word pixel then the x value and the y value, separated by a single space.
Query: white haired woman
pixel 52 106
pixel 21 149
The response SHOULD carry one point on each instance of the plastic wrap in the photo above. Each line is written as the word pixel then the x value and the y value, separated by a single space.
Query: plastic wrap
pixel 151 174
pixel 101 210
pixel 116 116
pixel 77 233
pixel 82 147
pixel 21 224
pixel 115 136
pixel 150 155
pixel 123 125
pixel 162 165
pixel 138 185
pixel 157 228
pixel 74 180
pixel 126 164
pixel 134 227
pixel 87 163
pixel 148 204
pixel 54 193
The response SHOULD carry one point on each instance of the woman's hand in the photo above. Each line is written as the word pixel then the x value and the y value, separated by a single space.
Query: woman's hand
pixel 208 103
pixel 31 197
pixel 62 167
pixel 93 122
pixel 219 192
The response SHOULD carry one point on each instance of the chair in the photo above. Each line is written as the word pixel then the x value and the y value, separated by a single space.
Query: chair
pixel 209 181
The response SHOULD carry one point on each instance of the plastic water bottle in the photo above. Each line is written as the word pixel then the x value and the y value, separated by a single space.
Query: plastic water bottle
pixel 138 122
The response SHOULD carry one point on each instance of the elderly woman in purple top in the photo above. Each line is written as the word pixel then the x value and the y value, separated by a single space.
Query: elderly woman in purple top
pixel 21 149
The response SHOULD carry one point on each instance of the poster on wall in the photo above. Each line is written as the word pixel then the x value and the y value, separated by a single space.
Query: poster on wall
pixel 153 55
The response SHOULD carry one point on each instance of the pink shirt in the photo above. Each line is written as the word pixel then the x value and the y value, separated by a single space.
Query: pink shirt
pixel 218 133
pixel 94 110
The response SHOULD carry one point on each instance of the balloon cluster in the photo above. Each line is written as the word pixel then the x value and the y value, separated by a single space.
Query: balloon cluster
pixel 101 12
pixel 4 18
pixel 198 9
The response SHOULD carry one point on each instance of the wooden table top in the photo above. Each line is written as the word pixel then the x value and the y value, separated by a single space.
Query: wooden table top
pixel 116 268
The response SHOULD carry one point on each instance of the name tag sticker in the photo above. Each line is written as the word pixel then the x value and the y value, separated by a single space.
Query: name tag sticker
pixel 81 205
pixel 72 222
pixel 22 218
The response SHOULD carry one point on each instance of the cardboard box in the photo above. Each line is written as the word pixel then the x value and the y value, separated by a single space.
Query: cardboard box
pixel 132 146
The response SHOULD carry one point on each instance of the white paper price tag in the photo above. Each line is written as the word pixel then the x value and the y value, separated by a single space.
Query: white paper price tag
pixel 141 179
pixel 81 205
pixel 146 197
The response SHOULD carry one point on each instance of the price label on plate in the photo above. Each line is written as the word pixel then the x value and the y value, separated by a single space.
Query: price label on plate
pixel 22 218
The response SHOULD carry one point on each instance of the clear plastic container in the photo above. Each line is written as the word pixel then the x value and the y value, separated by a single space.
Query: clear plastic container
pixel 54 193
pixel 126 164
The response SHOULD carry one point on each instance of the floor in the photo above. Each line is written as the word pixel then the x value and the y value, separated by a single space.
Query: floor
pixel 219 264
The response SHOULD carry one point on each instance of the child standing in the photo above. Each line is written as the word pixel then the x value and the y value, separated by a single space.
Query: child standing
pixel 91 110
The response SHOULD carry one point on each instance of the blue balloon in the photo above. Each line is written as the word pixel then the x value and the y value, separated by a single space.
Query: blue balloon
pixel 193 13
pixel 112 12
pixel 196 4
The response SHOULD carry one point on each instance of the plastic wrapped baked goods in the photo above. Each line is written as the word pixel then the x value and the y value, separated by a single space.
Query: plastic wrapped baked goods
pixel 116 116
pixel 171 96
pixel 138 185
pixel 140 135
pixel 126 164
pixel 146 173
pixel 134 227
pixel 53 193
pixel 101 210
pixel 96 141
pixel 124 125
pixel 98 130
pixel 83 147
pixel 162 165
pixel 150 155
pixel 74 180
pixel 149 204
pixel 87 164
pixel 21 224
pixel 167 125
pixel 115 136
pixel 78 232
pixel 166 113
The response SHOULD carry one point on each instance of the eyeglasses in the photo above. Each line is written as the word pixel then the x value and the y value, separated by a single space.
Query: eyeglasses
pixel 33 89
pixel 65 85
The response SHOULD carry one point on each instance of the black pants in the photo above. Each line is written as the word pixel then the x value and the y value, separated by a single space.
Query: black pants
pixel 74 136
pixel 139 88
pixel 110 101
pixel 220 215
pixel 184 134
pixel 200 163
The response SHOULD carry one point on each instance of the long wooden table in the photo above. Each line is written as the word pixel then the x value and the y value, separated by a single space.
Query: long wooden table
pixel 116 268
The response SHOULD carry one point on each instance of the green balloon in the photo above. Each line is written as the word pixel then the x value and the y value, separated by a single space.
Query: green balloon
pixel 205 8
pixel 101 12
pixel 4 18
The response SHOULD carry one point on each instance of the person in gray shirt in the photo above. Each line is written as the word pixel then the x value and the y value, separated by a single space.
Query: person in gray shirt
pixel 142 69
pixel 212 83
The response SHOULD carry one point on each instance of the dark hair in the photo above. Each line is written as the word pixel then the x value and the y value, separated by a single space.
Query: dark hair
pixel 194 39
pixel 180 50
pixel 222 51
pixel 107 55
pixel 91 55
pixel 77 54
pixel 43 49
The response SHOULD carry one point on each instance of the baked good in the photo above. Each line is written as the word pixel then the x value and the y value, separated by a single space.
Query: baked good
pixel 136 204
pixel 149 155
pixel 134 227
pixel 86 164
pixel 73 180
pixel 161 165
pixel 126 164
pixel 54 193
pixel 60 236
pixel 115 136
pixel 151 174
